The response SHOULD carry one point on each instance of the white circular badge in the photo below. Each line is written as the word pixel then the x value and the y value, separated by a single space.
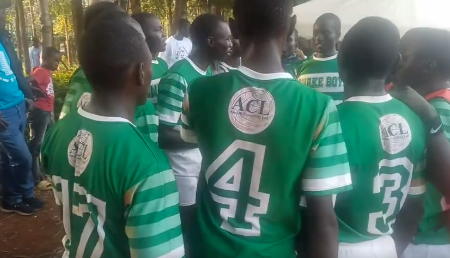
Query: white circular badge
pixel 251 110
pixel 79 151
pixel 395 133
pixel 84 99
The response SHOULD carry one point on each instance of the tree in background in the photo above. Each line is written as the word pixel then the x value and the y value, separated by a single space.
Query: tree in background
pixel 47 35
pixel 23 35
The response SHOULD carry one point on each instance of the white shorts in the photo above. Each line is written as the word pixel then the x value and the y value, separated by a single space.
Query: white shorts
pixel 426 251
pixel 186 166
pixel 382 247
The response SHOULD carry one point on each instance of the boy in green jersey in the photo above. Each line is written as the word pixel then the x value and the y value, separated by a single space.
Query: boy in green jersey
pixel 265 140
pixel 80 89
pixel 118 194
pixel 156 41
pixel 210 36
pixel 426 68
pixel 320 72
pixel 386 148
pixel 292 63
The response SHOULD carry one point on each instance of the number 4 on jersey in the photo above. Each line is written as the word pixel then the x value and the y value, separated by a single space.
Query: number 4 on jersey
pixel 230 182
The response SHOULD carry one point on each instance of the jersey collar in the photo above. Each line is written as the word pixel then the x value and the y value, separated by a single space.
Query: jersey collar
pixel 370 99
pixel 155 61
pixel 91 116
pixel 200 71
pixel 263 76
pixel 324 59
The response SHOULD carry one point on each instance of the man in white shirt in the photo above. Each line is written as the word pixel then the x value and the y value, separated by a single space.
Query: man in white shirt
pixel 179 45
pixel 35 53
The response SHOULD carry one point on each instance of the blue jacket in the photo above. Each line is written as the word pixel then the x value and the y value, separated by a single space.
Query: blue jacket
pixel 16 65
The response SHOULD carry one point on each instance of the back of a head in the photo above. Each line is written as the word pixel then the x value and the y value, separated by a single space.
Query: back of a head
pixel 369 50
pixel 203 27
pixel 262 19
pixel 107 50
pixel 183 24
pixel 431 44
pixel 48 52
pixel 95 10
pixel 332 19
pixel 143 18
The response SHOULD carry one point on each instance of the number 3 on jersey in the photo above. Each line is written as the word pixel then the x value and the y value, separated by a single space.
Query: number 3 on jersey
pixel 224 178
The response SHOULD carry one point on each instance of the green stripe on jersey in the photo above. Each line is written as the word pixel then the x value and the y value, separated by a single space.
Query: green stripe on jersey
pixel 159 68
pixel 172 88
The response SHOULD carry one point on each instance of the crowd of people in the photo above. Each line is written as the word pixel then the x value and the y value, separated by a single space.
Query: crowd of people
pixel 233 139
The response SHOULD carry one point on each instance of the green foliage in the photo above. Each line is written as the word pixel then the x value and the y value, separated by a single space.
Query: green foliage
pixel 61 80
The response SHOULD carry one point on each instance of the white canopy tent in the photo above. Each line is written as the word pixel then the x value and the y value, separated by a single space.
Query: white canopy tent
pixel 406 14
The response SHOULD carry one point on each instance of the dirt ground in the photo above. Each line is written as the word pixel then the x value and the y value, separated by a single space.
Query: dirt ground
pixel 36 236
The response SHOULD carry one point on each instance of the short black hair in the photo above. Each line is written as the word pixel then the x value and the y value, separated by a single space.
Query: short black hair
pixel 433 44
pixel 48 52
pixel 203 27
pixel 93 11
pixel 370 49
pixel 262 19
pixel 142 18
pixel 183 23
pixel 107 49
pixel 333 18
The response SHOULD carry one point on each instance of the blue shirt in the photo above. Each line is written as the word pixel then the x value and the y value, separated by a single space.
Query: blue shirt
pixel 10 94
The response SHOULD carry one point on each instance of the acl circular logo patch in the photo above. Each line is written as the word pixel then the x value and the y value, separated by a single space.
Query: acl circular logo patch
pixel 251 110
pixel 79 151
pixel 395 133
pixel 84 99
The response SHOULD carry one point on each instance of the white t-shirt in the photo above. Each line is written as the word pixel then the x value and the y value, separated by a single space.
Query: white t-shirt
pixel 176 50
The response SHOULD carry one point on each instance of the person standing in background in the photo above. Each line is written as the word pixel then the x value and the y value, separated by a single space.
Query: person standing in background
pixel 179 45
pixel 17 181
pixel 35 53
pixel 41 115
pixel 320 72
pixel 156 42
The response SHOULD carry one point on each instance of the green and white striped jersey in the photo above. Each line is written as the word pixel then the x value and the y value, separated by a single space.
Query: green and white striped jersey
pixel 265 140
pixel 431 229
pixel 172 88
pixel 79 95
pixel 159 67
pixel 117 191
pixel 322 74
pixel 386 144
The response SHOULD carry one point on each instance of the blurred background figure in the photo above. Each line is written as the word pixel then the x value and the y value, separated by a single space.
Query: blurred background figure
pixel 35 53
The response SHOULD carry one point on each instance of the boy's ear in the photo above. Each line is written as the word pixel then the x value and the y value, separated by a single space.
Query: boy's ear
pixel 292 22
pixel 233 28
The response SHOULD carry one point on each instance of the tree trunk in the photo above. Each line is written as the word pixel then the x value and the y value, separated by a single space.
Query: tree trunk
pixel 77 16
pixel 170 13
pixel 18 35
pixel 46 23
pixel 135 6
pixel 180 11
pixel 67 41
pixel 23 34
pixel 33 28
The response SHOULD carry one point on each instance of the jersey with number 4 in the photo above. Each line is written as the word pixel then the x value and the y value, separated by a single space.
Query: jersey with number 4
pixel 265 139
pixel 117 191
pixel 386 149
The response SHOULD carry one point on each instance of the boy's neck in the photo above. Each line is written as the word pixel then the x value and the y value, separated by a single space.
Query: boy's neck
pixel 233 61
pixel 263 57
pixel 200 59
pixel 111 105
pixel 432 87
pixel 178 36
pixel 325 54
pixel 371 88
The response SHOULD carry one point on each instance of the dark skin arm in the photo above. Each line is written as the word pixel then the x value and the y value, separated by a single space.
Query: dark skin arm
pixel 321 229
pixel 170 139
pixel 407 222
pixel 438 147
